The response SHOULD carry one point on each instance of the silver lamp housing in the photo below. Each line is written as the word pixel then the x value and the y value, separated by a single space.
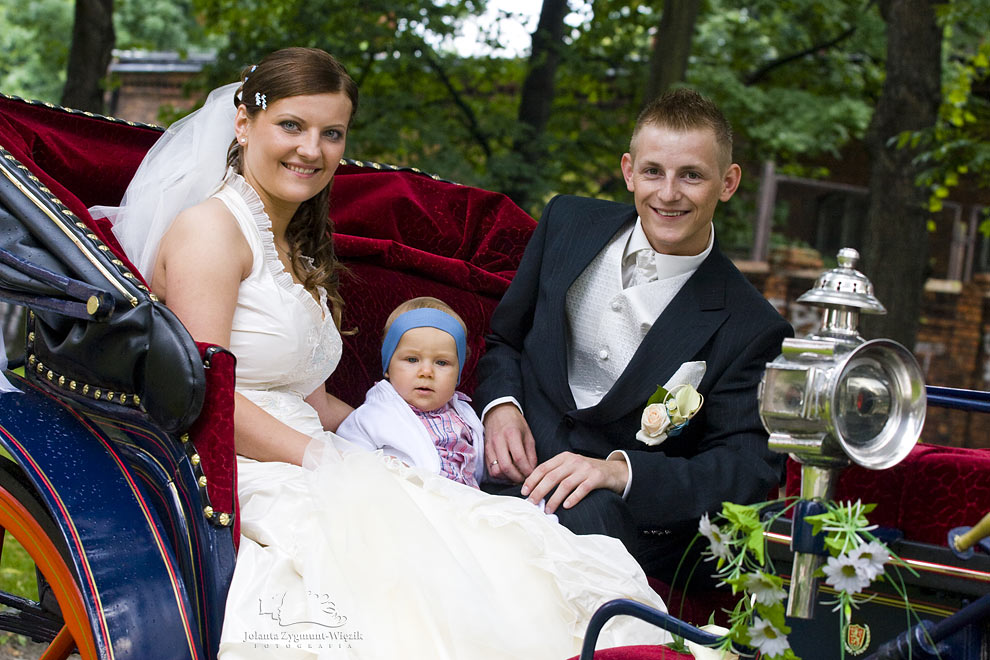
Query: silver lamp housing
pixel 832 399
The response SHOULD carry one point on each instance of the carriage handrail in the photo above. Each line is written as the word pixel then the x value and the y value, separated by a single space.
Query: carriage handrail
pixel 626 607
pixel 960 399
pixel 85 300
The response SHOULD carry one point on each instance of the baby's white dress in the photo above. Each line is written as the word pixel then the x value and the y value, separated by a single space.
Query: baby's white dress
pixel 363 557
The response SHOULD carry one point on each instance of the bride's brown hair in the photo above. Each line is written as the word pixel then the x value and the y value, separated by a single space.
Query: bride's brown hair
pixel 297 72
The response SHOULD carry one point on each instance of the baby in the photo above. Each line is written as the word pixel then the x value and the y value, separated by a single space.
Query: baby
pixel 416 414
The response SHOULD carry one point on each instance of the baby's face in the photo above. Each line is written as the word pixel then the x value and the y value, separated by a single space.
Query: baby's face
pixel 423 369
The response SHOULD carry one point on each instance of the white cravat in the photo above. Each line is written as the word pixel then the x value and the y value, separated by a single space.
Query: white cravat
pixel 643 269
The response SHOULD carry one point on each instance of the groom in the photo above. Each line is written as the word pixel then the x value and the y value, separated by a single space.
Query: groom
pixel 609 302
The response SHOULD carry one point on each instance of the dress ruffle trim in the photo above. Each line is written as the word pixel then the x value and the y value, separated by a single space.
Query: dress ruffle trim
pixel 281 276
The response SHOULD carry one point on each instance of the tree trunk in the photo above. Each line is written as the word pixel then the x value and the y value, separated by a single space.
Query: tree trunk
pixel 536 99
pixel 92 46
pixel 672 47
pixel 896 237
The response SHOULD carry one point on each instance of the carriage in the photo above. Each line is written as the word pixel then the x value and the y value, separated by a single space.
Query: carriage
pixel 118 475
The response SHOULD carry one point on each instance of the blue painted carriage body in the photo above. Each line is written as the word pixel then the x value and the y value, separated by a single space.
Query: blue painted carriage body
pixel 152 570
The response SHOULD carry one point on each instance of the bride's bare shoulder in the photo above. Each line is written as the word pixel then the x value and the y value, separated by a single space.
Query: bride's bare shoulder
pixel 204 240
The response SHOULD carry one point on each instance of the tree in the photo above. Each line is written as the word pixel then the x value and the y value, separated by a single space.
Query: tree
pixel 536 100
pixel 89 55
pixel 896 238
pixel 671 47
pixel 34 47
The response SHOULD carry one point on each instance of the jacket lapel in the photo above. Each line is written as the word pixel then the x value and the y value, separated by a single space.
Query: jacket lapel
pixel 679 333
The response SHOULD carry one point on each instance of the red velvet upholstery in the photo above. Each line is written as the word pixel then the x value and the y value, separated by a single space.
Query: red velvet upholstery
pixel 213 433
pixel 403 235
pixel 928 493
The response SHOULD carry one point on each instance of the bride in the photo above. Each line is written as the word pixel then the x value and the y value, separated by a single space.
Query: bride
pixel 343 554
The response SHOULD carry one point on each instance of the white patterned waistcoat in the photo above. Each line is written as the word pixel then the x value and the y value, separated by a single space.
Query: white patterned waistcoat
pixel 606 323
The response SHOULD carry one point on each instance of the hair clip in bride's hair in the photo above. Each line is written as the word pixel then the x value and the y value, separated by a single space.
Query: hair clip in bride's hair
pixel 260 99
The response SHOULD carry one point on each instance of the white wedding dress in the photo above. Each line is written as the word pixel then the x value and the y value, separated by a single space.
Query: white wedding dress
pixel 363 557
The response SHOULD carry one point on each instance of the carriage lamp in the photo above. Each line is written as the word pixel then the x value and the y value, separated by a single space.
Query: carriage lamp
pixel 831 399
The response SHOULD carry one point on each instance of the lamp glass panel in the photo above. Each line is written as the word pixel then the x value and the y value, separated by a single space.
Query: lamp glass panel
pixel 785 391
pixel 864 401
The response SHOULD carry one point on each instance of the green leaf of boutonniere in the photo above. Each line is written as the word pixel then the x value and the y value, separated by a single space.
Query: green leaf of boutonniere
pixel 658 396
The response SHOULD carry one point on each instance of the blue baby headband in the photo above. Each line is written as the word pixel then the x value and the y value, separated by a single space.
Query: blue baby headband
pixel 424 318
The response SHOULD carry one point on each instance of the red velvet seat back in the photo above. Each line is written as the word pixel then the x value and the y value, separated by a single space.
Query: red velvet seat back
pixel 400 233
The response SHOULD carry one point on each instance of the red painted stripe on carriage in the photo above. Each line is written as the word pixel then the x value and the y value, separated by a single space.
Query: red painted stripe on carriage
pixel 134 429
pixel 159 542
pixel 144 509
pixel 926 566
pixel 77 542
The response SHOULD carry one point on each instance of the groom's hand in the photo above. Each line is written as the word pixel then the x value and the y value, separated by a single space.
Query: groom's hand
pixel 510 451
pixel 574 476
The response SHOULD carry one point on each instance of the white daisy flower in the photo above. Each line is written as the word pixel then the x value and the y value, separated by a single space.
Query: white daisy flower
pixel 873 556
pixel 767 639
pixel 718 541
pixel 766 589
pixel 846 574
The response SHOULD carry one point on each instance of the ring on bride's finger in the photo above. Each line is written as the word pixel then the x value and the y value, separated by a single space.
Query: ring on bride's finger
pixel 494 463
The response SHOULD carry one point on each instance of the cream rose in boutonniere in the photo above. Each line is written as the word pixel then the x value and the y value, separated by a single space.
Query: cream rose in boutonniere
pixel 667 412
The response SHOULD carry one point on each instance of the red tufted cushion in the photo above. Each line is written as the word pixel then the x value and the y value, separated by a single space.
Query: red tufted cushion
pixel 928 493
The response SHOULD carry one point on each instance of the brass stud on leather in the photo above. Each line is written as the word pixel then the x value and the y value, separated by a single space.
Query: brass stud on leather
pixel 92 305
pixel 31 337
pixel 202 482
pixel 97 393
pixel 61 381
pixel 110 396
pixel 137 400
pixel 184 438
pixel 41 367
pixel 85 389
pixel 224 519
pixel 208 511
pixel 50 375
pixel 195 459
pixel 72 385
pixel 93 237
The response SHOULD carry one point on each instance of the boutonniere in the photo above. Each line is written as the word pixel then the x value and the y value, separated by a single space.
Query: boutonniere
pixel 667 412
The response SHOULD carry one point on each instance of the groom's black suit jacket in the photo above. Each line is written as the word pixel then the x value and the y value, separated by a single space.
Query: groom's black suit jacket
pixel 718 317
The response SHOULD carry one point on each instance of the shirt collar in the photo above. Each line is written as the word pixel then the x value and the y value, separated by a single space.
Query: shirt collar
pixel 668 265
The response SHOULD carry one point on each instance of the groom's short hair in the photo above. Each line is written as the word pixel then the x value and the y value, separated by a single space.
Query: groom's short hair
pixel 684 109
